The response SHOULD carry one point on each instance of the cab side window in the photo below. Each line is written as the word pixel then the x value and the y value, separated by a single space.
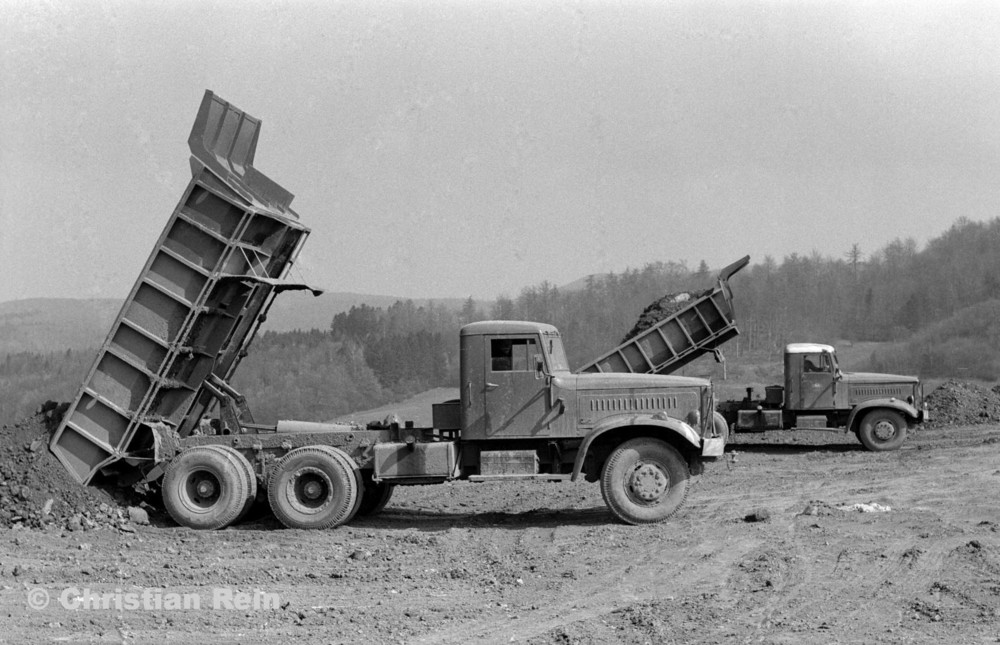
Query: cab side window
pixel 511 354
pixel 815 363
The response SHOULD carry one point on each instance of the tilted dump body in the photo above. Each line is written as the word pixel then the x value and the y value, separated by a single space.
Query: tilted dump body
pixel 701 326
pixel 196 306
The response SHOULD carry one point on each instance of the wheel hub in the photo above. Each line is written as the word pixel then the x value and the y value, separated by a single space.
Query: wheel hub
pixel 884 430
pixel 205 488
pixel 648 482
pixel 202 490
pixel 312 490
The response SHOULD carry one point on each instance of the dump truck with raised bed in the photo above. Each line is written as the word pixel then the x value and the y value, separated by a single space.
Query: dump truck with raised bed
pixel 880 409
pixel 157 409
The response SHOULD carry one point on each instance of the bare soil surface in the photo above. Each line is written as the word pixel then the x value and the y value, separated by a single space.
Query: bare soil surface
pixel 773 546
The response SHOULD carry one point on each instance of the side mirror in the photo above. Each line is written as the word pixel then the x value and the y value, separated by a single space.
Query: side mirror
pixel 837 375
pixel 539 366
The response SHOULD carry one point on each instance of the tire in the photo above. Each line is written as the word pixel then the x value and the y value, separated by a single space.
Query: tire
pixel 882 430
pixel 721 427
pixel 644 481
pixel 374 496
pixel 250 479
pixel 204 489
pixel 315 487
pixel 359 481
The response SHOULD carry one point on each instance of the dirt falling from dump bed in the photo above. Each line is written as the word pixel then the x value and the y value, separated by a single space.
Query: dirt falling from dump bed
pixel 36 491
pixel 961 403
pixel 665 307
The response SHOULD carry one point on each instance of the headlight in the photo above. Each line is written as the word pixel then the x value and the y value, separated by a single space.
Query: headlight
pixel 693 418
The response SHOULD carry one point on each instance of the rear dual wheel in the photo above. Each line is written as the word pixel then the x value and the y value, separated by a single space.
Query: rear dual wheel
pixel 315 487
pixel 208 487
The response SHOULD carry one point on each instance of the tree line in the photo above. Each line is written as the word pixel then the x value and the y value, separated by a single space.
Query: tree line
pixel 934 310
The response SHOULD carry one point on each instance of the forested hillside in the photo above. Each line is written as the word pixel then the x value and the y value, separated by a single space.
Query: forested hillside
pixel 934 310
pixel 29 379
pixel 887 295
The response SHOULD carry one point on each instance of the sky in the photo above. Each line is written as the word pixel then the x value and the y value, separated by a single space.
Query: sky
pixel 475 147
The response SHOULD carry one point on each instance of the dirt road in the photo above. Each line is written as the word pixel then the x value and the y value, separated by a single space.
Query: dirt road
pixel 546 563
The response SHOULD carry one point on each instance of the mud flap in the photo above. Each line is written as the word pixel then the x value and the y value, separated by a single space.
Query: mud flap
pixel 166 444
pixel 712 446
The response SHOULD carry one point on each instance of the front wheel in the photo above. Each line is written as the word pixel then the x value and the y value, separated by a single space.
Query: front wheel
pixel 882 430
pixel 644 481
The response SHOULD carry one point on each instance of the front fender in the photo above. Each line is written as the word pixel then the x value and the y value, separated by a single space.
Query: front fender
pixel 664 425
pixel 911 413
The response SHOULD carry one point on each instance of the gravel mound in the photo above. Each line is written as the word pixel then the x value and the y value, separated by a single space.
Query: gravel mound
pixel 36 491
pixel 665 307
pixel 961 403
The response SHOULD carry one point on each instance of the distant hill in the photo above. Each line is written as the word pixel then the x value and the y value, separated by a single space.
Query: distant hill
pixel 57 324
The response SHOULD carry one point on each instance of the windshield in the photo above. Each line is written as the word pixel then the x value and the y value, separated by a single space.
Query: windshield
pixel 555 352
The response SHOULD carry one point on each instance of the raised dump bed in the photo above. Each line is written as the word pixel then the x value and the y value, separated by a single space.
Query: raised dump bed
pixel 196 306
pixel 702 325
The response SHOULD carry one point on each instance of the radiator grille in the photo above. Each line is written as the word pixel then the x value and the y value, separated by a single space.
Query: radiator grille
pixel 629 404
pixel 880 391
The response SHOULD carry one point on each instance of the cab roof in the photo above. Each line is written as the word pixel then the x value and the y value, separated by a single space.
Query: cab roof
pixel 807 348
pixel 507 327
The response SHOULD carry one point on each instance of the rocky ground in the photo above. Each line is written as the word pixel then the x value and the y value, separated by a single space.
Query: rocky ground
pixel 796 537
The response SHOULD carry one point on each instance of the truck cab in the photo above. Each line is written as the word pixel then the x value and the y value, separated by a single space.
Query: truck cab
pixel 811 377
pixel 516 385
pixel 815 382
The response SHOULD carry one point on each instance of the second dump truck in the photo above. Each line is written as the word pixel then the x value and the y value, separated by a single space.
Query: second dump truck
pixel 879 409
pixel 146 412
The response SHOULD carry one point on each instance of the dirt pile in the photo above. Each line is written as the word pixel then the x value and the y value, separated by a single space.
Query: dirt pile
pixel 961 403
pixel 36 491
pixel 665 307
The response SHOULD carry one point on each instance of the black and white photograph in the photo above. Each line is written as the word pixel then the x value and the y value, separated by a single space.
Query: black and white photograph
pixel 556 322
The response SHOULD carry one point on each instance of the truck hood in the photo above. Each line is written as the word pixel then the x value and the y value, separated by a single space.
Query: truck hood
pixel 618 380
pixel 860 378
